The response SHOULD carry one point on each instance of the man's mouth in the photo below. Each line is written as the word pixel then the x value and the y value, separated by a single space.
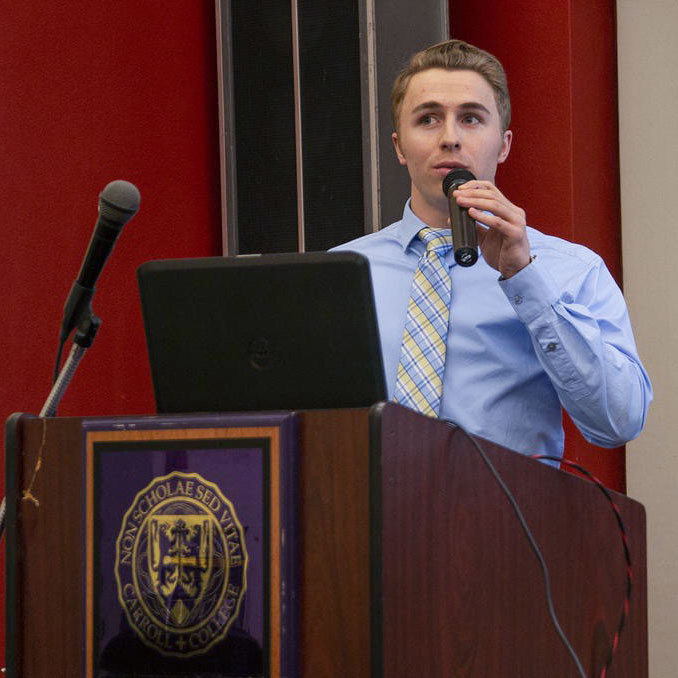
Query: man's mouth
pixel 443 168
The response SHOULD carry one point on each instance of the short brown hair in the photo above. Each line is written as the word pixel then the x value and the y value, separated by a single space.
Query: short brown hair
pixel 455 55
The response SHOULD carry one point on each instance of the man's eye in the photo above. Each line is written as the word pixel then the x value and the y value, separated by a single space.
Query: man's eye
pixel 426 119
pixel 471 119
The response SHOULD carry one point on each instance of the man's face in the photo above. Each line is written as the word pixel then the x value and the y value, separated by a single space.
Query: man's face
pixel 448 120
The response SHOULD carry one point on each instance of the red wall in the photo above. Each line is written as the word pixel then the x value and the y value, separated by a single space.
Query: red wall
pixel 91 92
pixel 561 60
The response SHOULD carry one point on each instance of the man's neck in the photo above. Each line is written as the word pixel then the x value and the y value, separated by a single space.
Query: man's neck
pixel 430 215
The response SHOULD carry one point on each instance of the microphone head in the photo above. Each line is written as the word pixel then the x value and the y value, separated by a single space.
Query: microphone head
pixel 119 202
pixel 456 177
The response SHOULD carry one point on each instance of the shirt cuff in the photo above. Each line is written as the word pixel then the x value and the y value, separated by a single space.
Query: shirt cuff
pixel 531 291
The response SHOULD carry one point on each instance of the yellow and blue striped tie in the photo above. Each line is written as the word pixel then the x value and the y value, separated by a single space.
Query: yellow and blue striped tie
pixel 422 358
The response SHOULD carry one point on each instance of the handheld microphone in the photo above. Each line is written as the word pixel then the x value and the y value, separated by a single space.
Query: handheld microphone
pixel 118 203
pixel 464 235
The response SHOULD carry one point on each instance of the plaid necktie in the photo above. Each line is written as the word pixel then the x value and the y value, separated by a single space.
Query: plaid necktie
pixel 422 358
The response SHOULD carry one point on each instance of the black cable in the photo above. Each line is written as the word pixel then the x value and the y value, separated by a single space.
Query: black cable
pixel 533 544
pixel 627 553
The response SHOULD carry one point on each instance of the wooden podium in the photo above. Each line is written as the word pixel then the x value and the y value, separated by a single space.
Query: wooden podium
pixel 400 557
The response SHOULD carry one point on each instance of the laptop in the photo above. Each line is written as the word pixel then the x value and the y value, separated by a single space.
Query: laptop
pixel 262 332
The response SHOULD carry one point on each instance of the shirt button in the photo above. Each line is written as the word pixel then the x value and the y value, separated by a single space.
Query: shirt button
pixel 517 300
pixel 551 346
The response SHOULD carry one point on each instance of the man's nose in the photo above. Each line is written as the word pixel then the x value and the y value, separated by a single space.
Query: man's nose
pixel 450 136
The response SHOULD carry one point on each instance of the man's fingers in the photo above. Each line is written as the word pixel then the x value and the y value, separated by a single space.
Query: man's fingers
pixel 493 221
pixel 507 212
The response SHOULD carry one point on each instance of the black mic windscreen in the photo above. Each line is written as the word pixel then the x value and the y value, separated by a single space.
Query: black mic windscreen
pixel 456 177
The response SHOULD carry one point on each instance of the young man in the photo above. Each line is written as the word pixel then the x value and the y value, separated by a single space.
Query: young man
pixel 537 322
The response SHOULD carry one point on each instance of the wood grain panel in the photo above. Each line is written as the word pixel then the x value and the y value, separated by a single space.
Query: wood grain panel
pixel 334 506
pixel 462 590
pixel 50 595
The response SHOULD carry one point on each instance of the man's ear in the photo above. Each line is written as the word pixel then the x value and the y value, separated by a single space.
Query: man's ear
pixel 505 146
pixel 399 153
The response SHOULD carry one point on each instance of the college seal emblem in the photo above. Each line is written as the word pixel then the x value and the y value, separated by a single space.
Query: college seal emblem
pixel 181 564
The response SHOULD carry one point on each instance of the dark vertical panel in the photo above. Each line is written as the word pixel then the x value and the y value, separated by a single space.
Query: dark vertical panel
pixel 264 126
pixel 401 32
pixel 331 122
pixel 333 62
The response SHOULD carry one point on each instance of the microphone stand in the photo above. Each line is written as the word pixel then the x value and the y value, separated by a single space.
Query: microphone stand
pixel 82 340
pixel 118 203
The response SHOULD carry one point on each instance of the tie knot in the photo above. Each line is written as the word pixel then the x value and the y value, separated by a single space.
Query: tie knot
pixel 438 240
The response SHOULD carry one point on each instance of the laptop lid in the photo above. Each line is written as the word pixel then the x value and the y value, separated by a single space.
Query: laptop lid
pixel 264 332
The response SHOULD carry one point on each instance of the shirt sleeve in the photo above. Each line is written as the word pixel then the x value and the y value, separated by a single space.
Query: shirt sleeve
pixel 583 339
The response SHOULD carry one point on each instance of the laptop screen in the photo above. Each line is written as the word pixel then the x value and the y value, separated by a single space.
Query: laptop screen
pixel 264 332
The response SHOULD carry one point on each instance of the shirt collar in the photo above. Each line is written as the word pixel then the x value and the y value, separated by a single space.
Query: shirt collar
pixel 410 225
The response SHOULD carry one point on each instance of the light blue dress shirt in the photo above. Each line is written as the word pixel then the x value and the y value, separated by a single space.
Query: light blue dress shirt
pixel 556 333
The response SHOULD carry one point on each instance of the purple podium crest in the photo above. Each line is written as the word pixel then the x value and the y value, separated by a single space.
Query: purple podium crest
pixel 181 564
pixel 190 546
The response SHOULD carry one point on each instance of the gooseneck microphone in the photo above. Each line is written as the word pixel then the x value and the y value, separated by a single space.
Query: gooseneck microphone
pixel 118 203
pixel 464 235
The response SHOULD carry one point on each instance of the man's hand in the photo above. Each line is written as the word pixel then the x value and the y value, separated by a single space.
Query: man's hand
pixel 504 243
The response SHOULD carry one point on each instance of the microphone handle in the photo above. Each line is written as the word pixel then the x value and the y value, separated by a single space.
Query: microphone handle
pixel 464 234
pixel 78 304
pixel 100 246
